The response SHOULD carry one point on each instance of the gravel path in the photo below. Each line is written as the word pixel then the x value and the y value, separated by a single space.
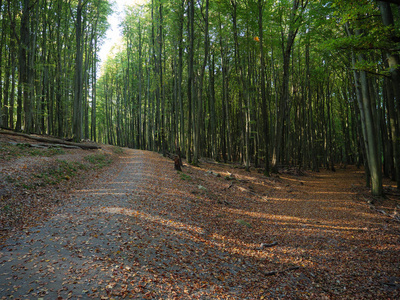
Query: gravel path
pixel 118 237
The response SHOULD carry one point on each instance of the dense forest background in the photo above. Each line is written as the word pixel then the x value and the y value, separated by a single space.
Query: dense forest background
pixel 266 83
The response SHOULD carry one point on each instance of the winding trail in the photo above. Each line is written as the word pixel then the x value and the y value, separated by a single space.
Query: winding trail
pixel 138 232
pixel 114 238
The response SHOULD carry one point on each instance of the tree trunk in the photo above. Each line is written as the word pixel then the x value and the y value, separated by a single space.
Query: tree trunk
pixel 196 154
pixel 190 79
pixel 284 94
pixel 140 132
pixel 51 140
pixel 23 89
pixel 393 64
pixel 213 133
pixel 370 138
pixel 263 92
pixel 78 88
pixel 180 72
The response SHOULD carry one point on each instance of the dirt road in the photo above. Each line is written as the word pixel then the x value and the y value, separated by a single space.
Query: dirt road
pixel 144 231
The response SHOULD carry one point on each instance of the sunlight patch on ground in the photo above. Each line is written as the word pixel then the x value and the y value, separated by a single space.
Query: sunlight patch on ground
pixel 108 193
pixel 290 179
pixel 148 217
pixel 264 215
pixel 97 191
pixel 331 228
pixel 335 193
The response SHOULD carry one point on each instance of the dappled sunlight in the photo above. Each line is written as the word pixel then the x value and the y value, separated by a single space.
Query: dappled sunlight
pixel 152 218
pixel 263 215
pixel 149 229
pixel 96 191
pixel 334 193
pixel 108 193
pixel 331 228
pixel 166 226
pixel 290 179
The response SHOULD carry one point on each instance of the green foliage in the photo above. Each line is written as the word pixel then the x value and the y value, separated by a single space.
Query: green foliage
pixel 184 176
pixel 118 150
pixel 99 160
pixel 10 151
pixel 56 173
pixel 59 171
pixel 51 25
pixel 244 223
pixel 63 170
pixel 47 152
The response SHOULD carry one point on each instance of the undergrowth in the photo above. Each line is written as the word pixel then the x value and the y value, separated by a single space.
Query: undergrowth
pixel 58 171
pixel 99 160
pixel 184 176
pixel 118 150
pixel 10 151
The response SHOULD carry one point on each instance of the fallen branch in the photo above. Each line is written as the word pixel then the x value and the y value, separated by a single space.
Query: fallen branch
pixel 264 245
pixel 214 173
pixel 45 146
pixel 395 216
pixel 50 140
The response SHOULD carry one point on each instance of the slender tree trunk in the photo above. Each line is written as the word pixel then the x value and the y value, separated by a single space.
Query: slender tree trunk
pixel 23 89
pixel 180 72
pixel 140 132
pixel 284 94
pixel 244 93
pixel 213 133
pixel 368 124
pixel 263 92
pixel 41 105
pixel 393 64
pixel 312 146
pixel 196 154
pixel 225 129
pixel 4 103
pixel 93 127
pixel 161 85
pixel 370 137
pixel 78 88
pixel 190 86
pixel 4 106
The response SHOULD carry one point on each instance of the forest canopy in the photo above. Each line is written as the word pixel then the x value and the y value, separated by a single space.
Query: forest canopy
pixel 266 83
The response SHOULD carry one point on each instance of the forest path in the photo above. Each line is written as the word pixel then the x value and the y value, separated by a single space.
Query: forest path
pixel 144 231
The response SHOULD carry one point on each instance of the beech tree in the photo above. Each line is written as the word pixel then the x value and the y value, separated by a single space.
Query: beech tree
pixel 43 66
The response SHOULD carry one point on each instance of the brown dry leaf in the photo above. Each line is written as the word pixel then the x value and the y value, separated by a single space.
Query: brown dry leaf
pixel 143 230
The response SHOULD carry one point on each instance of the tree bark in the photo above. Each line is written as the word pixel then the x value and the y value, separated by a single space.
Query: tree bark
pixel 196 154
pixel 370 138
pixel 263 92
pixel 78 88
pixel 190 79
pixel 393 64
pixel 284 94
pixel 23 90
pixel 182 144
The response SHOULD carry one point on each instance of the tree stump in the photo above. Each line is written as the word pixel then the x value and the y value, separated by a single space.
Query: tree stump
pixel 177 163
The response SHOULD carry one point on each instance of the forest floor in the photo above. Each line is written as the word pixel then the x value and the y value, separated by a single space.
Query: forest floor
pixel 121 223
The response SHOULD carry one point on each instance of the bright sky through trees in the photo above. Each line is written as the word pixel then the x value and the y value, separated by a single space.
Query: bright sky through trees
pixel 114 33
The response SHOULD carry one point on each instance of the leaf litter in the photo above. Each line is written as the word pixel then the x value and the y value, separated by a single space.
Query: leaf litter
pixel 142 231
